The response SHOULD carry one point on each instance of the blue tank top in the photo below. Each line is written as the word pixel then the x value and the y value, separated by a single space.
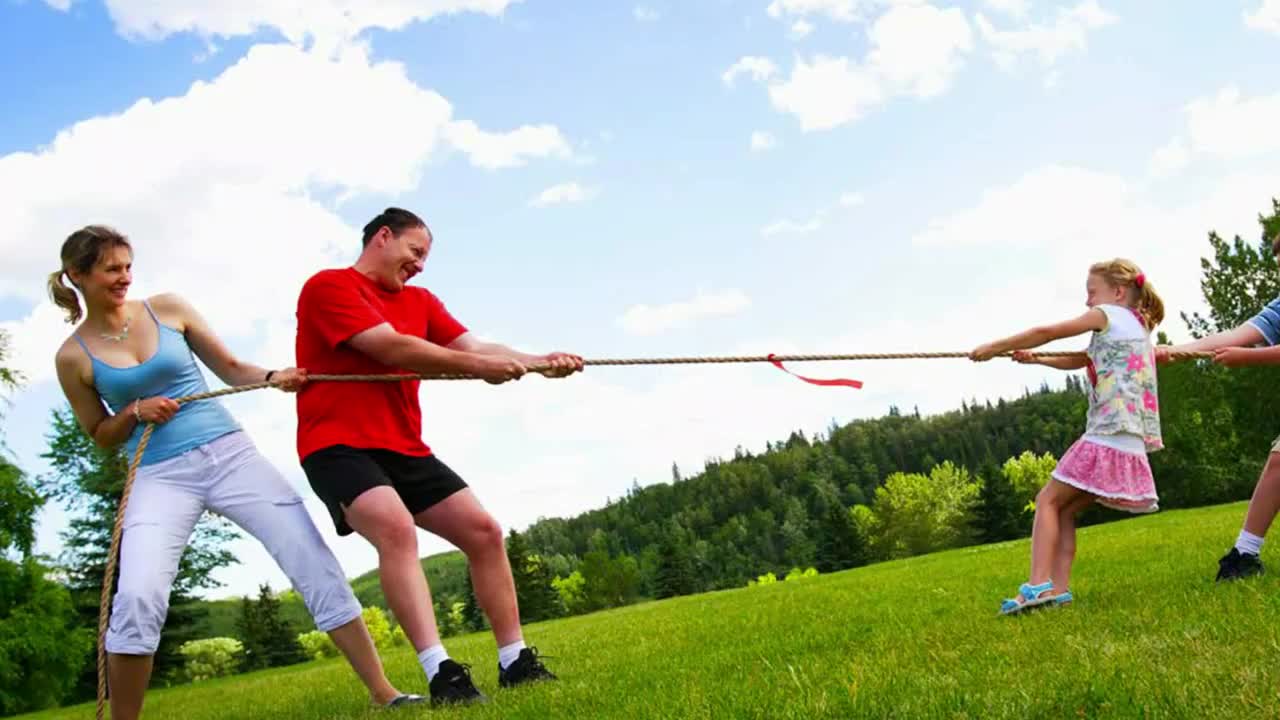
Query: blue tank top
pixel 171 372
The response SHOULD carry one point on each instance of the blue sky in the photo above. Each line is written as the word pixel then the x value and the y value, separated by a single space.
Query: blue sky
pixel 882 175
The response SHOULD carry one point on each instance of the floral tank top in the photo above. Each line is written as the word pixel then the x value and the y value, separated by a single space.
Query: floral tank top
pixel 1123 397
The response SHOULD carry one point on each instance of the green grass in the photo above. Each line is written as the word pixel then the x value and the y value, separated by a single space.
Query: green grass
pixel 1150 636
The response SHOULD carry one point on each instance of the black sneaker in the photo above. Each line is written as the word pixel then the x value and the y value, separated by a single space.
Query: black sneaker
pixel 526 668
pixel 1236 565
pixel 452 684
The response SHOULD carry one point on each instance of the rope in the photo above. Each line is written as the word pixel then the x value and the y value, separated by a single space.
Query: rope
pixel 117 529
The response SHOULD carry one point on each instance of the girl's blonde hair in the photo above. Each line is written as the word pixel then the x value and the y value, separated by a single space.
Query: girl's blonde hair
pixel 80 252
pixel 1123 273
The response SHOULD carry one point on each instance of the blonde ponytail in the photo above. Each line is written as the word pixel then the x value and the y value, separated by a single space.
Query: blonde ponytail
pixel 64 297
pixel 1150 306
pixel 1123 273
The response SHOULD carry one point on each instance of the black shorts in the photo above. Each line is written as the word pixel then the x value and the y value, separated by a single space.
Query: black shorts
pixel 339 474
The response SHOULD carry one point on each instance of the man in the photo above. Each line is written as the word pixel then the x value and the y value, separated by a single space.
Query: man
pixel 1235 348
pixel 361 443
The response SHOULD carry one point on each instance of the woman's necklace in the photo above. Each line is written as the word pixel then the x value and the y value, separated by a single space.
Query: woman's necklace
pixel 124 333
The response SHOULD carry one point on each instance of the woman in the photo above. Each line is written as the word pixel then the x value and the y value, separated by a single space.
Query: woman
pixel 134 357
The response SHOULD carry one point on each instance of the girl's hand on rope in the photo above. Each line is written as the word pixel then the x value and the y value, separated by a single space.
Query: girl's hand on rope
pixel 289 379
pixel 158 410
pixel 561 365
pixel 1026 357
pixel 1162 354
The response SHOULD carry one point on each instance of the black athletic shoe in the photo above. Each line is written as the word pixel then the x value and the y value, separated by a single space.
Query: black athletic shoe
pixel 452 684
pixel 527 668
pixel 1236 565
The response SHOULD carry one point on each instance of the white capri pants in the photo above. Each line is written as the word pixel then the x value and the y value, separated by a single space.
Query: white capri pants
pixel 227 476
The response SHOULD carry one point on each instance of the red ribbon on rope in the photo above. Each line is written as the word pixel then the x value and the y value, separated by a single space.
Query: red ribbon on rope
pixel 835 382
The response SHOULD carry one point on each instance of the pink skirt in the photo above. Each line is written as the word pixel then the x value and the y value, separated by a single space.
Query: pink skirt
pixel 1120 480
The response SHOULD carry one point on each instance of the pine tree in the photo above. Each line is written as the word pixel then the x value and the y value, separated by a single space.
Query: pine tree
pixel 537 598
pixel 472 613
pixel 998 516
pixel 268 639
pixel 675 570
pixel 546 601
pixel 841 545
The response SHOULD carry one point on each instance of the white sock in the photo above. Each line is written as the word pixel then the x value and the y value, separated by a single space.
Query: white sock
pixel 430 660
pixel 1249 543
pixel 509 653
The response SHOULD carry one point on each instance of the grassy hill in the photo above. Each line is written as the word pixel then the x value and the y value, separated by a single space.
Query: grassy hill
pixel 446 572
pixel 1150 635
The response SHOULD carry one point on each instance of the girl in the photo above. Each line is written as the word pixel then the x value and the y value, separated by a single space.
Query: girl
pixel 1108 465
pixel 133 358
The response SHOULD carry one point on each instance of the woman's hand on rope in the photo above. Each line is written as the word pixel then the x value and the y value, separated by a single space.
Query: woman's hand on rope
pixel 1026 357
pixel 560 364
pixel 158 410
pixel 289 379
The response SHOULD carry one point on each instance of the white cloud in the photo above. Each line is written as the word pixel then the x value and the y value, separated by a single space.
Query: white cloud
pixel 841 10
pixel 852 199
pixel 562 194
pixel 1004 214
pixel 1224 126
pixel 329 22
pixel 793 227
pixel 916 50
pixel 1171 158
pixel 60 5
pixel 1016 8
pixel 1229 125
pixel 816 221
pixel 827 92
pixel 761 140
pixel 651 320
pixel 800 29
pixel 1069 32
pixel 1265 18
pixel 34 339
pixel 760 68
pixel 506 149
pixel 644 13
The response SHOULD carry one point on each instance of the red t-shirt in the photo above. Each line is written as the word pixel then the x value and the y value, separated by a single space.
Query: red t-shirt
pixel 333 306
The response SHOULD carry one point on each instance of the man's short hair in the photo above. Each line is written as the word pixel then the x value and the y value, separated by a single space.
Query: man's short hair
pixel 397 219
